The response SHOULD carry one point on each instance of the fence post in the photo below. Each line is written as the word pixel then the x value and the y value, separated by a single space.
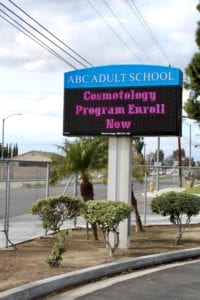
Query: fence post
pixel 47 180
pixel 6 221
pixel 75 193
pixel 7 207
pixel 145 199
pixel 158 164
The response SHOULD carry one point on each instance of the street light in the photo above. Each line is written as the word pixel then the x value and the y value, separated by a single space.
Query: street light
pixel 3 125
pixel 190 142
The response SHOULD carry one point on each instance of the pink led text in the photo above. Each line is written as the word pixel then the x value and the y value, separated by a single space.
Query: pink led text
pixel 120 95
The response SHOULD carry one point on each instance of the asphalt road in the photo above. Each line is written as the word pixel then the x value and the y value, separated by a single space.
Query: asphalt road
pixel 22 198
pixel 171 282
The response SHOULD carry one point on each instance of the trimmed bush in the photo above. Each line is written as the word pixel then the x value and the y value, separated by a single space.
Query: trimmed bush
pixel 107 215
pixel 54 211
pixel 176 205
pixel 55 258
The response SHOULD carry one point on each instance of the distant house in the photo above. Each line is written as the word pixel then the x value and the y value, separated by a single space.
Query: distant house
pixel 34 158
pixel 31 165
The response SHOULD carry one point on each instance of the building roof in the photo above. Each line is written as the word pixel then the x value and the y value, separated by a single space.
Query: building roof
pixel 39 156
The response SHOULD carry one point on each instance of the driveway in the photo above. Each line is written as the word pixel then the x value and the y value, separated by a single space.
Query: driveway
pixel 177 281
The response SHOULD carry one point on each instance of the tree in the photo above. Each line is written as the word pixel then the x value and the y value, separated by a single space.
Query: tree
pixel 15 150
pixel 6 152
pixel 138 220
pixel 186 162
pixel 161 156
pixel 54 211
pixel 81 157
pixel 138 173
pixel 192 105
pixel 107 215
pixel 175 205
pixel 138 144
pixel 176 153
pixel 59 248
pixel 9 150
pixel 169 161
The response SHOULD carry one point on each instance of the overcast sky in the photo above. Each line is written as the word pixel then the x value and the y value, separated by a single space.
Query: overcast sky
pixel 31 79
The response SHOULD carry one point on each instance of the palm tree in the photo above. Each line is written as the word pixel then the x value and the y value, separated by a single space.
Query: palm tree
pixel 81 157
pixel 138 173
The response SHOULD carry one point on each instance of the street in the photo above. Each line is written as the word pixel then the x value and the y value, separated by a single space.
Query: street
pixel 22 198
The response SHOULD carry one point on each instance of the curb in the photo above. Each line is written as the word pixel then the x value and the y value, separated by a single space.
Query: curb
pixel 46 286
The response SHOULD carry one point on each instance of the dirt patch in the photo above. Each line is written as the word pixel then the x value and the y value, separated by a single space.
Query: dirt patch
pixel 27 262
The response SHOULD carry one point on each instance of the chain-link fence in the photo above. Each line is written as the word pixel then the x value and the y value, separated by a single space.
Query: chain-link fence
pixel 23 182
pixel 159 179
pixel 179 176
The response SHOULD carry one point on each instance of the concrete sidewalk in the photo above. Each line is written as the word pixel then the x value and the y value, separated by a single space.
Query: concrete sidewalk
pixel 162 191
pixel 26 227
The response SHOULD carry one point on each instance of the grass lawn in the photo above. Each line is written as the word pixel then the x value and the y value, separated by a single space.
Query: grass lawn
pixel 194 190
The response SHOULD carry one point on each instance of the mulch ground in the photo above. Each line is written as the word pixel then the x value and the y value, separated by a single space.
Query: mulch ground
pixel 27 262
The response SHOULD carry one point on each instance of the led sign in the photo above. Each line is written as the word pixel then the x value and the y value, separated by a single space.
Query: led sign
pixel 131 100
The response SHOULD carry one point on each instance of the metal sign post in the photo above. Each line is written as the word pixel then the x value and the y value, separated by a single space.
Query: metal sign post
pixel 47 180
pixel 7 208
pixel 119 179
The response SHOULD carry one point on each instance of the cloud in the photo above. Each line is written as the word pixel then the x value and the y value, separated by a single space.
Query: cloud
pixel 32 78
pixel 82 29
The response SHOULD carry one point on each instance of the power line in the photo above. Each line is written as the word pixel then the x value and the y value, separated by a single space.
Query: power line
pixel 43 35
pixel 127 31
pixel 111 28
pixel 142 20
pixel 131 4
pixel 26 32
pixel 52 34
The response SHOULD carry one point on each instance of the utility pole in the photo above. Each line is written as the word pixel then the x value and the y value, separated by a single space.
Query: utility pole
pixel 158 163
pixel 179 162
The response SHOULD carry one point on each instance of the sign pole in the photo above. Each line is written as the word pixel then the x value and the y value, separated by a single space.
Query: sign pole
pixel 119 179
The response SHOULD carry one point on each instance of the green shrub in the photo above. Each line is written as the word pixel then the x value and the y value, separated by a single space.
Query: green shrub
pixel 54 211
pixel 55 258
pixel 176 205
pixel 107 215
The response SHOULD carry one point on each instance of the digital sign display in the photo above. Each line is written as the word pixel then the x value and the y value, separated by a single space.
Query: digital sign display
pixel 99 106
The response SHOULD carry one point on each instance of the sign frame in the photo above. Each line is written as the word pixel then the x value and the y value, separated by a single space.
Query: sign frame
pixel 99 95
